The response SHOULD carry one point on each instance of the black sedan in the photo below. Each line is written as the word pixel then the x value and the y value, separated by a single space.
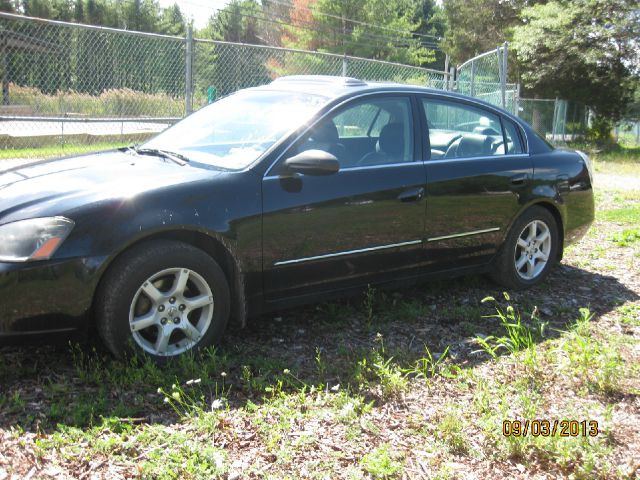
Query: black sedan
pixel 279 195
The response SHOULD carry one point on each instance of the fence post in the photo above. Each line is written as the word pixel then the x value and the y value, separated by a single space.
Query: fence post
pixel 555 120
pixel 516 101
pixel 188 70
pixel 446 72
pixel 638 133
pixel 473 79
pixel 503 77
pixel 344 66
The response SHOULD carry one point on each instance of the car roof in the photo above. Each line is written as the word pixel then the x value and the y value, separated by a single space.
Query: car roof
pixel 335 87
pixel 330 86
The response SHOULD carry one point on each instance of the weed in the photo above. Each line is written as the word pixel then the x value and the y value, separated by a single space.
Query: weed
pixel 451 431
pixel 626 237
pixel 623 216
pixel 369 303
pixel 597 363
pixel 429 365
pixel 380 463
pixel 320 364
pixel 387 375
pixel 519 336
pixel 630 315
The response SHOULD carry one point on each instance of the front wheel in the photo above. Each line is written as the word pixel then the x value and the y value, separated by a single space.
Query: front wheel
pixel 163 299
pixel 530 250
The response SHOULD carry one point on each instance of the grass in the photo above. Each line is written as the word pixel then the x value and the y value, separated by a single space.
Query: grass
pixel 381 464
pixel 627 237
pixel 109 103
pixel 284 413
pixel 616 160
pixel 620 216
pixel 58 150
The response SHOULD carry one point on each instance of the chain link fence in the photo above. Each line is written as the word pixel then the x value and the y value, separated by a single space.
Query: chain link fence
pixel 68 86
pixel 557 120
pixel 485 77
pixel 227 67
pixel 627 133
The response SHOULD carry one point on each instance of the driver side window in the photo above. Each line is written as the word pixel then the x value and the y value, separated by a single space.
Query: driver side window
pixel 368 133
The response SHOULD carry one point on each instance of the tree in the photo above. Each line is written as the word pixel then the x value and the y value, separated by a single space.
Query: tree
pixel 7 6
pixel 376 29
pixel 477 26
pixel 172 21
pixel 584 50
pixel 431 22
pixel 237 22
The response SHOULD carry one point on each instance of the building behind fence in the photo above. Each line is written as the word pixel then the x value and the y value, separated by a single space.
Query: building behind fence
pixel 65 84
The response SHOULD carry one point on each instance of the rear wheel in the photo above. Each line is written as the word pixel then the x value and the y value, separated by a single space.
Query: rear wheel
pixel 530 250
pixel 163 299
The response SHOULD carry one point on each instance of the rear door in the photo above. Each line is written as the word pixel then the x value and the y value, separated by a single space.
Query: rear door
pixel 477 170
pixel 324 233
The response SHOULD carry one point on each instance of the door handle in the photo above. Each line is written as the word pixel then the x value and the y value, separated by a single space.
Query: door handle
pixel 412 195
pixel 520 179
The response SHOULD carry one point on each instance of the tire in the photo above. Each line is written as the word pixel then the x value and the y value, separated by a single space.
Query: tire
pixel 521 264
pixel 162 299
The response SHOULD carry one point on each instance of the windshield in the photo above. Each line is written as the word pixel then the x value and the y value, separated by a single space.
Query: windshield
pixel 233 132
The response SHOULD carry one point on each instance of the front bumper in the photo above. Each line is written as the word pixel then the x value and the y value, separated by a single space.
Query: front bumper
pixel 49 296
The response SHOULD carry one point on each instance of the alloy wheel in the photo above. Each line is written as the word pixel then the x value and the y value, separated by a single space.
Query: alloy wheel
pixel 532 250
pixel 171 312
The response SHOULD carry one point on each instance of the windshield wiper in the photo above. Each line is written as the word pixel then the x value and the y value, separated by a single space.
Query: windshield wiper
pixel 174 157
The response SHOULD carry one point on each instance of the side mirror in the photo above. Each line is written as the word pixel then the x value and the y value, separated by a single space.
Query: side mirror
pixel 313 162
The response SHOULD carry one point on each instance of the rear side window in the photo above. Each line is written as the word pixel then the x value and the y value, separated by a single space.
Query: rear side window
pixel 461 131
pixel 514 140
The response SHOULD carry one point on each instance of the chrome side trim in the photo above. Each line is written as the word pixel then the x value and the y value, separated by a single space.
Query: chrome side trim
pixel 347 252
pixel 470 159
pixel 465 234
pixel 368 167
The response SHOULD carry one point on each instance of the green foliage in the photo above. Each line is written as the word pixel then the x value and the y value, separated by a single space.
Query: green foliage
pixel 626 237
pixel 518 336
pixel 321 25
pixel 380 463
pixel 477 26
pixel 429 365
pixel 237 22
pixel 451 430
pixel 381 372
pixel 582 50
pixel 598 364
pixel 624 215
pixel 121 102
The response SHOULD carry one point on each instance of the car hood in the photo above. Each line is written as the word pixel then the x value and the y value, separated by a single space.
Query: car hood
pixel 54 186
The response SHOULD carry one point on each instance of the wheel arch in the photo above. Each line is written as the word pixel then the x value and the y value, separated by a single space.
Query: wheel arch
pixel 554 210
pixel 215 248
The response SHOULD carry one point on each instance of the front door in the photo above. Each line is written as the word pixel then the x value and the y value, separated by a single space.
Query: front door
pixel 322 233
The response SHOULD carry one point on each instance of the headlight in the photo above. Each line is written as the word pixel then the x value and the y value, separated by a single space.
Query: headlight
pixel 33 239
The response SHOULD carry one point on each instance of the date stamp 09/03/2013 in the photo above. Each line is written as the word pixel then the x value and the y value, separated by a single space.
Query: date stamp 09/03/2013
pixel 550 428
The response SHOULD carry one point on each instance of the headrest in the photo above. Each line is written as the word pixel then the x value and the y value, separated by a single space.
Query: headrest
pixel 486 131
pixel 324 132
pixel 474 145
pixel 391 139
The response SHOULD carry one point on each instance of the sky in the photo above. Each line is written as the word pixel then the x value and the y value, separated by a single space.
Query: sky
pixel 197 10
